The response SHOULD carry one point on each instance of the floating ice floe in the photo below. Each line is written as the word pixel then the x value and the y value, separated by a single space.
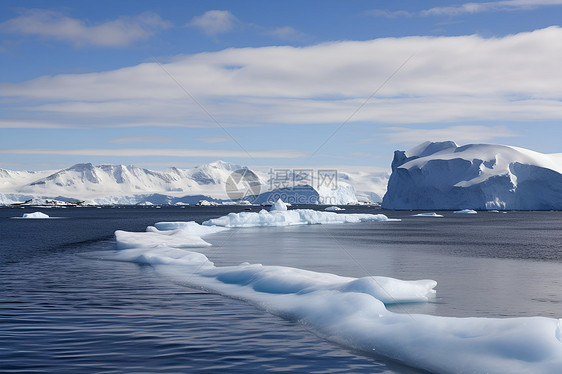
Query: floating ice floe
pixel 432 214
pixel 349 311
pixel 352 311
pixel 35 215
pixel 280 216
pixel 192 228
pixel 333 209
pixel 466 211
pixel 154 238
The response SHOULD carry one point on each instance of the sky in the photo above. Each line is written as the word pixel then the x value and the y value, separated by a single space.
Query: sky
pixel 273 84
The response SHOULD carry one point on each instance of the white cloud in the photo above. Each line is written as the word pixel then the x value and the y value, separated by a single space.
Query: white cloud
pixel 154 152
pixel 492 6
pixel 119 32
pixel 467 8
pixel 388 13
pixel 214 22
pixel 106 121
pixel 460 78
pixel 287 33
pixel 215 139
pixel 458 134
pixel 142 139
pixel 30 124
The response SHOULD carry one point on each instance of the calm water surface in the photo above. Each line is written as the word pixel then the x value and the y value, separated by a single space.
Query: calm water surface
pixel 61 312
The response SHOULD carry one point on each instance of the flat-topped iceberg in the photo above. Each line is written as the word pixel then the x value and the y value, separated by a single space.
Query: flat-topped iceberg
pixel 445 176
pixel 35 215
pixel 352 311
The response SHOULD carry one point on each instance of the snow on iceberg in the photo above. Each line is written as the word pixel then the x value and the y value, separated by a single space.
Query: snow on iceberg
pixel 445 176
pixel 432 214
pixel 35 215
pixel 352 312
pixel 466 211
pixel 291 217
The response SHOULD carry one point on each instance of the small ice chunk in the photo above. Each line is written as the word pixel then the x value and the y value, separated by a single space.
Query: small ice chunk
pixel 432 214
pixel 466 211
pixel 333 208
pixel 35 215
pixel 279 206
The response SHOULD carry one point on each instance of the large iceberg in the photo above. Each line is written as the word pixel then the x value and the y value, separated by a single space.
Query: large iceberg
pixel 443 175
pixel 352 311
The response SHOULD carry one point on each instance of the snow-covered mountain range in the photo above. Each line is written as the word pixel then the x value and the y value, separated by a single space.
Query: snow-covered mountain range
pixel 443 175
pixel 119 184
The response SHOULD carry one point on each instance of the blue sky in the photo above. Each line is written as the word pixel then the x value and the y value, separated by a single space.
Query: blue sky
pixel 270 84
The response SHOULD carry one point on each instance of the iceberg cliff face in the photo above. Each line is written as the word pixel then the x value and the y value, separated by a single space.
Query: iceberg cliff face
pixel 443 175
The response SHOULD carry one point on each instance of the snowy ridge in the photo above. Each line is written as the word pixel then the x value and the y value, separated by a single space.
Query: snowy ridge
pixel 86 181
pixel 131 185
pixel 10 179
pixel 443 175
pixel 352 311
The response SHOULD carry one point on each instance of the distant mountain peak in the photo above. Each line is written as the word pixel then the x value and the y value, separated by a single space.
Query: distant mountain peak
pixel 127 183
pixel 80 167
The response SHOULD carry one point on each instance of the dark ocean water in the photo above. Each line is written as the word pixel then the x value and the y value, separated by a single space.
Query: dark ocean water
pixel 61 312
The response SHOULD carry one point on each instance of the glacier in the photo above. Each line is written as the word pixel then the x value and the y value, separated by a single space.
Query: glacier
pixel 445 176
pixel 353 312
